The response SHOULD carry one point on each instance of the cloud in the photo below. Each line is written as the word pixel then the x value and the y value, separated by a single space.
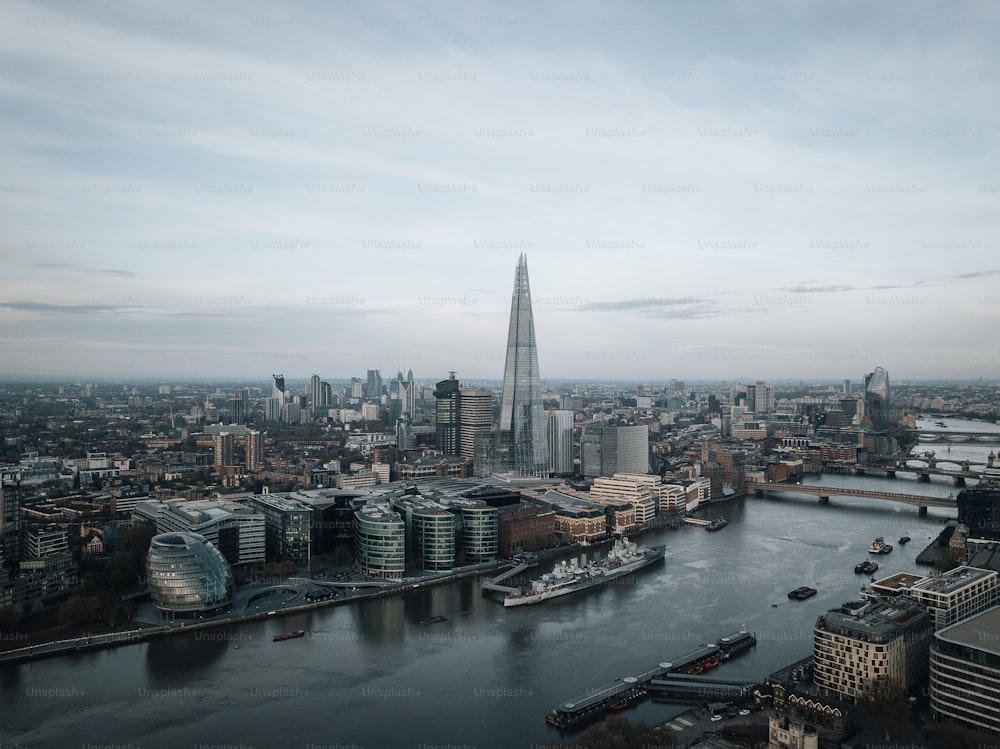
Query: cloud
pixel 802 289
pixel 979 273
pixel 114 272
pixel 64 309
pixel 666 308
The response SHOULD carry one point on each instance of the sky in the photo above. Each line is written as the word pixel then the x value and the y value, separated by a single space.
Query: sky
pixel 702 190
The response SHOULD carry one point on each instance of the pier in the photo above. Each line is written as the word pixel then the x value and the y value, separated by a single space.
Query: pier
pixel 678 678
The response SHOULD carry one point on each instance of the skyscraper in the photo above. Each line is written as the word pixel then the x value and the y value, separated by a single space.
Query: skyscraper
pixel 407 393
pixel 10 518
pixel 373 390
pixel 561 442
pixel 877 398
pixel 522 444
pixel 254 451
pixel 446 413
pixel 475 419
pixel 223 448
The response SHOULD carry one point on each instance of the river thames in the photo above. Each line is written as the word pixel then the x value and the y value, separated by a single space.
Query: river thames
pixel 370 674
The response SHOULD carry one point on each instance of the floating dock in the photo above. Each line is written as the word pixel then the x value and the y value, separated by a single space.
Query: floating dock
pixel 677 678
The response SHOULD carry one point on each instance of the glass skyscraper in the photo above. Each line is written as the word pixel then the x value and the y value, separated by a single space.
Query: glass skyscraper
pixel 877 398
pixel 522 436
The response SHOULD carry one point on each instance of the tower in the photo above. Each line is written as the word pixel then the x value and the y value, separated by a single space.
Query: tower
pixel 475 419
pixel 522 444
pixel 254 451
pixel 446 412
pixel 10 518
pixel 877 398
pixel 223 445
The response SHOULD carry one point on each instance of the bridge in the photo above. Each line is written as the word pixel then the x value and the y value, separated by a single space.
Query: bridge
pixel 957 435
pixel 922 472
pixel 825 492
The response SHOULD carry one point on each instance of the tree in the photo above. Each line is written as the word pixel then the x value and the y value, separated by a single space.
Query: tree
pixel 884 702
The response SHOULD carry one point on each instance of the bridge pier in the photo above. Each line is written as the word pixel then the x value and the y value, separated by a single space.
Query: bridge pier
pixel 824 500
pixel 959 481
pixel 921 512
pixel 890 473
pixel 925 477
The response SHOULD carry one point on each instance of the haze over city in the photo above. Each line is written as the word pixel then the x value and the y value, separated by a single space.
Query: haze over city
pixel 701 192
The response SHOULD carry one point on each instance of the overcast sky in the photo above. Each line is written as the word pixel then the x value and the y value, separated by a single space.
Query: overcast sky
pixel 703 190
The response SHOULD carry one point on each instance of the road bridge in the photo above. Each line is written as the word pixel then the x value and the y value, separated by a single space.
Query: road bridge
pixel 825 492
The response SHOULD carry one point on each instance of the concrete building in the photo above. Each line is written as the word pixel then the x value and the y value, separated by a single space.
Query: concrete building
pixel 865 641
pixel 222 450
pixel 956 595
pixel 45 540
pixel 965 672
pixel 629 489
pixel 605 451
pixel 254 446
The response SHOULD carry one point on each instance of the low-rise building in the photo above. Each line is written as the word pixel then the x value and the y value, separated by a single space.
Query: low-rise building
pixel 957 594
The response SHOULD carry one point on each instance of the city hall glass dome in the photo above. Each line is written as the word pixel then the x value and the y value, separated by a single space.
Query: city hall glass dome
pixel 186 573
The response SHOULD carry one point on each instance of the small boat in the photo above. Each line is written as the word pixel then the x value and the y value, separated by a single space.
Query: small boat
pixel 290 635
pixel 716 525
pixel 697 669
pixel 866 567
pixel 619 704
pixel 712 663
pixel 879 546
pixel 904 540
pixel 434 620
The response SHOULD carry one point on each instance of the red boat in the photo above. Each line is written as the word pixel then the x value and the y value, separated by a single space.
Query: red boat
pixel 712 663
pixel 289 635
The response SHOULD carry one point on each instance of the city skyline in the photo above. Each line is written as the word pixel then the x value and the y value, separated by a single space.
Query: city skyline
pixel 705 192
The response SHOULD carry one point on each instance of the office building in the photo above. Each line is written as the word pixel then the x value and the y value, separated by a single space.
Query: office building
pixel 605 451
pixel 561 442
pixel 407 394
pixel 237 411
pixel 475 419
pixel 379 541
pixel 235 529
pixel 965 672
pixel 863 643
pixel 522 440
pixel 45 540
pixel 430 532
pixel 187 574
pixel 373 387
pixel 287 526
pixel 447 415
pixel 10 518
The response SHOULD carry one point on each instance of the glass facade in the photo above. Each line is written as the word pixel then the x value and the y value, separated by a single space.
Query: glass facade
pixel 187 574
pixel 480 533
pixel 379 541
pixel 877 398
pixel 523 444
pixel 434 540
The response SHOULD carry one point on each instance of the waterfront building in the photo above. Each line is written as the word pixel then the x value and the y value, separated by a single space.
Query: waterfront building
pixel 430 532
pixel 379 541
pixel 478 529
pixel 522 446
pixel 287 526
pixel 629 489
pixel 957 594
pixel 235 529
pixel 447 415
pixel 863 643
pixel 965 672
pixel 187 574
pixel 561 442
pixel 10 518
pixel 979 510
pixel 526 527
pixel 475 419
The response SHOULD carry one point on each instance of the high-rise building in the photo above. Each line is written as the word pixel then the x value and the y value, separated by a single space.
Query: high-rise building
pixel 605 451
pixel 447 414
pixel 763 398
pixel 407 393
pixel 278 386
pixel 255 451
pixel 877 399
pixel 561 442
pixel 223 447
pixel 373 391
pixel 315 394
pixel 475 419
pixel 237 411
pixel 523 446
pixel 10 518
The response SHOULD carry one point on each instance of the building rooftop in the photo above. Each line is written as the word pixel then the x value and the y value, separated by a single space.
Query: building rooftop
pixel 981 632
pixel 953 580
pixel 864 620
pixel 899 582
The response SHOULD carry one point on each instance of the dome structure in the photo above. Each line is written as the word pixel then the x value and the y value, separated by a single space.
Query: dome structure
pixel 186 573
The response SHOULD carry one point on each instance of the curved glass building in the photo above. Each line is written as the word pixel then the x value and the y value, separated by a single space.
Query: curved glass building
pixel 480 532
pixel 379 541
pixel 877 398
pixel 187 574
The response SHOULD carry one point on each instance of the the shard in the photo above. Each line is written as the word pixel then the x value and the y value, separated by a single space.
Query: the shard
pixel 522 435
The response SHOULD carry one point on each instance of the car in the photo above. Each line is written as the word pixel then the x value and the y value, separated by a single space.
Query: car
pixel 744 711
pixel 716 718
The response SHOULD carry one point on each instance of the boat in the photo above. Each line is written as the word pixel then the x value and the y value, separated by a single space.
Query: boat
pixel 879 546
pixel 717 524
pixel 712 663
pixel 569 577
pixel 904 540
pixel 434 620
pixel 866 567
pixel 290 635
pixel 800 594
